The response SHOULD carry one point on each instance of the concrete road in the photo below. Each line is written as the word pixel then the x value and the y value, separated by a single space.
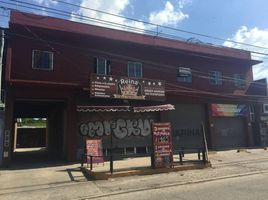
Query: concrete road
pixel 242 175
pixel 239 188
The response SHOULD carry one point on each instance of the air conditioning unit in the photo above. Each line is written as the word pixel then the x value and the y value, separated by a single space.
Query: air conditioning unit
pixel 265 108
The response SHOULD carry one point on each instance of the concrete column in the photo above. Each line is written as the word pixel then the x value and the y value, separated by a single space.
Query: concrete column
pixel 71 132
pixel 9 129
pixel 15 136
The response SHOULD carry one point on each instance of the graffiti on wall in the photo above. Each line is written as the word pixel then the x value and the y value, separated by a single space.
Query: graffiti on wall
pixel 121 128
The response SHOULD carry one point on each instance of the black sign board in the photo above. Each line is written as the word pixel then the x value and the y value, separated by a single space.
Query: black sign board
pixel 105 86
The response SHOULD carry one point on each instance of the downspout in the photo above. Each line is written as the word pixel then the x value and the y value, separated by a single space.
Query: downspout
pixel 1 64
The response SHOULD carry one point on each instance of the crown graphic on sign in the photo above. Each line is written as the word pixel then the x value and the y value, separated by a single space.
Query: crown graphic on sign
pixel 128 90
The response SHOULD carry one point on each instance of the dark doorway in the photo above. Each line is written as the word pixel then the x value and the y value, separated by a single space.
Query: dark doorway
pixel 39 131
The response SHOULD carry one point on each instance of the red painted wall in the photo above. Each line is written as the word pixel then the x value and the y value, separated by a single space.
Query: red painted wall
pixel 74 60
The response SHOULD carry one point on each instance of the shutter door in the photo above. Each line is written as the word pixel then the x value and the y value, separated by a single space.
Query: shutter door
pixel 230 132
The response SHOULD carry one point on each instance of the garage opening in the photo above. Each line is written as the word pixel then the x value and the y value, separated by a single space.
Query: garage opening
pixel 38 131
pixel 30 135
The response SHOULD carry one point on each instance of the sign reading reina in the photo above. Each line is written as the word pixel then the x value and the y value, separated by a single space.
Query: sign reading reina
pixel 104 86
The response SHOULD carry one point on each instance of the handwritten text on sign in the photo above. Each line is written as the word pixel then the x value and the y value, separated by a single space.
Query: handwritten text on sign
pixel 162 145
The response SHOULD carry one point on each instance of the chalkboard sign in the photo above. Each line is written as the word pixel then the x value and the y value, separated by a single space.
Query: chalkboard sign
pixel 94 148
pixel 162 145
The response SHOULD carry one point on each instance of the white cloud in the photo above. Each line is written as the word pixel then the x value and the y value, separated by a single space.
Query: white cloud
pixel 46 2
pixel 169 15
pixel 110 6
pixel 257 37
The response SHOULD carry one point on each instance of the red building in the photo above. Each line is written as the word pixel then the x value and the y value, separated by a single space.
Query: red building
pixel 89 81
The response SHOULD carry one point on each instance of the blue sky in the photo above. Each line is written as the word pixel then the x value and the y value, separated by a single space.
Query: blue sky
pixel 244 21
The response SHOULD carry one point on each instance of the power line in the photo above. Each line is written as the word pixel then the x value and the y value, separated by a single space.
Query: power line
pixel 171 28
pixel 208 77
pixel 146 22
pixel 197 73
pixel 148 62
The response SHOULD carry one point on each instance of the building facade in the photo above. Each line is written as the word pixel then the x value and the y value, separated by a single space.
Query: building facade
pixel 91 82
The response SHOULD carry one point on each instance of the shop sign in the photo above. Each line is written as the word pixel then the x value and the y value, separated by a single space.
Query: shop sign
pixel 162 145
pixel 116 87
pixel 94 148
pixel 229 110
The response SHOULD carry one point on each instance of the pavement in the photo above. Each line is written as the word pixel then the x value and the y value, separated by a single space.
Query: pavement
pixel 67 181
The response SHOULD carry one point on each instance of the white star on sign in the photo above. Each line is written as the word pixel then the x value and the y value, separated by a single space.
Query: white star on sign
pixel 98 77
pixel 153 83
pixel 110 79
pixel 149 83
pixel 159 83
pixel 104 78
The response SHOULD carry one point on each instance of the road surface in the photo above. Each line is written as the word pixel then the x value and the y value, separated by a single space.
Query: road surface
pixel 252 187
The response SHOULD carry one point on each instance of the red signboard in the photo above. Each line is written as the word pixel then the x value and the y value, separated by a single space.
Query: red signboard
pixel 116 87
pixel 162 145
pixel 94 148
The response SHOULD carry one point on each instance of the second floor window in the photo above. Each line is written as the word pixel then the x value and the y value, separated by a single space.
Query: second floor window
pixel 239 80
pixel 102 66
pixel 184 75
pixel 215 78
pixel 42 60
pixel 135 69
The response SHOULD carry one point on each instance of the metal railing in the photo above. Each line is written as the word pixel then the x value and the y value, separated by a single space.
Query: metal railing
pixel 201 152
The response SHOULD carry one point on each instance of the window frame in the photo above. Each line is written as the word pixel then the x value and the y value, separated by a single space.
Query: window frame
pixel 188 78
pixel 135 69
pixel 52 60
pixel 239 82
pixel 107 66
pixel 215 80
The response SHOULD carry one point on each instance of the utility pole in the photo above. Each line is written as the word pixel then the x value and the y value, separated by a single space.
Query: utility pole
pixel 1 64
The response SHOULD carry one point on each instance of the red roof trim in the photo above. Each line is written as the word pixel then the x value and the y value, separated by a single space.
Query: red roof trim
pixel 46 22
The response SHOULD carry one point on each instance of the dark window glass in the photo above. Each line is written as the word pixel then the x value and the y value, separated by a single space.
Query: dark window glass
pixel 103 66
pixel 129 150
pixel 141 150
pixel 184 75
pixel 215 78
pixel 135 69
pixel 42 60
pixel 239 80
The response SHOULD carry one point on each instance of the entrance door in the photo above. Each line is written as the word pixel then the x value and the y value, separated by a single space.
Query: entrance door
pixel 230 132
pixel 39 131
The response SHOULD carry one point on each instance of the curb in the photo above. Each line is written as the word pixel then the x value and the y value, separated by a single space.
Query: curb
pixel 143 171
pixel 173 185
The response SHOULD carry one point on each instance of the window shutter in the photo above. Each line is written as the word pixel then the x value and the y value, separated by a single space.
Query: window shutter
pixel 108 66
pixel 95 65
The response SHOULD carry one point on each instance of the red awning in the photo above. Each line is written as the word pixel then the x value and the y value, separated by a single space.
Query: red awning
pixel 156 108
pixel 102 108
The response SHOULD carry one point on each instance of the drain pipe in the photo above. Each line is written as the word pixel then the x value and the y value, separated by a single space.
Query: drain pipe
pixel 1 63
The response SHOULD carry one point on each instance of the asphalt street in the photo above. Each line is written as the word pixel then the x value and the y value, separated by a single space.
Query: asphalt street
pixel 252 187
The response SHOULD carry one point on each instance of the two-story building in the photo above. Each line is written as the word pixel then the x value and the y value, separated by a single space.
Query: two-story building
pixel 89 81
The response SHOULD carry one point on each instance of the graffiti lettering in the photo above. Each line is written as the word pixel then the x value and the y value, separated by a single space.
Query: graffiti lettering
pixel 120 127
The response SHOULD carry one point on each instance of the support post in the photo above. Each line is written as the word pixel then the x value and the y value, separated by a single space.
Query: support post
pixel 205 142
pixel 91 164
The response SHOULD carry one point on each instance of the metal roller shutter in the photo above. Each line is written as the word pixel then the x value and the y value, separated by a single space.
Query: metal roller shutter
pixel 230 132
